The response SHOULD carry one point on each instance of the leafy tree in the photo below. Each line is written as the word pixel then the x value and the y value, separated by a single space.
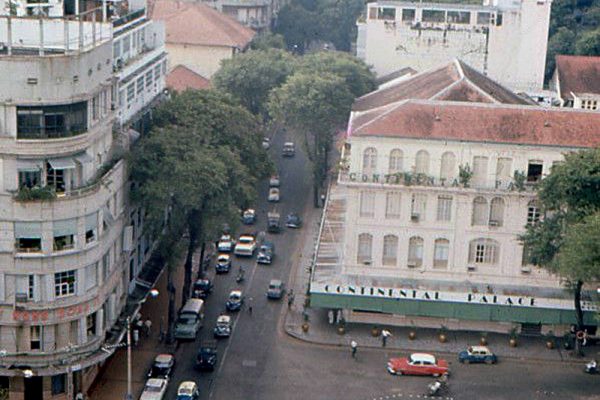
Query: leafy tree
pixel 298 27
pixel 251 76
pixel 563 42
pixel 357 75
pixel 569 199
pixel 337 19
pixel 589 43
pixel 199 165
pixel 315 107
pixel 267 40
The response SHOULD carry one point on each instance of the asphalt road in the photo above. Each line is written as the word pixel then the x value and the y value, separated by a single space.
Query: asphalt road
pixel 259 362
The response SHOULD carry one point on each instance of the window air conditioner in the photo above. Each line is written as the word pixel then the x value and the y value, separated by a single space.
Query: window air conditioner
pixel 471 268
pixel 494 223
pixel 414 217
pixel 21 297
pixel 412 264
pixel 367 262
pixel 526 269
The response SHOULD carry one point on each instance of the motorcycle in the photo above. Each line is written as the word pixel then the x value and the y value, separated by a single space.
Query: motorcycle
pixel 591 367
pixel 240 276
pixel 437 388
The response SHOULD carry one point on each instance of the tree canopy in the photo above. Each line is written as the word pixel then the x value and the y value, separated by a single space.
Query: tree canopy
pixel 250 77
pixel 195 169
pixel 569 200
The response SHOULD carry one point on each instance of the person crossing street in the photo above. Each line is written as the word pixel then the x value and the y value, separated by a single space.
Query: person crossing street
pixel 354 347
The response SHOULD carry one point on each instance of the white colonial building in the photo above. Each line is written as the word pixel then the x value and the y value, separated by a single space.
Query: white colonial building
pixel 504 39
pixel 422 225
pixel 67 236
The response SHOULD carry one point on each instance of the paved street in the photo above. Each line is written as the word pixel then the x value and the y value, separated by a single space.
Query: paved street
pixel 260 361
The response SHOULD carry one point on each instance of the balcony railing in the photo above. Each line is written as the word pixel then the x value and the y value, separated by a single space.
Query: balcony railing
pixel 34 134
pixel 129 17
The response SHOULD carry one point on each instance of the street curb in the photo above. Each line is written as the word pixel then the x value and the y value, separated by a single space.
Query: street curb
pixel 536 360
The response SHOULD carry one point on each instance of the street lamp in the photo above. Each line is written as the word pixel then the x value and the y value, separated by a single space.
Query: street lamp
pixel 27 373
pixel 153 293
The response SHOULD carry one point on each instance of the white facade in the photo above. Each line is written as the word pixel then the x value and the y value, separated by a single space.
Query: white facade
pixel 69 244
pixel 507 41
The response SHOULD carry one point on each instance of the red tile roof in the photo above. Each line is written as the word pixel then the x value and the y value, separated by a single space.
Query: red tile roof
pixel 455 81
pixel 477 122
pixel 195 23
pixel 578 74
pixel 182 78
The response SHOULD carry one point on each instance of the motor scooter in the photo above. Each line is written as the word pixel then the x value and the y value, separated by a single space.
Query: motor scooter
pixel 591 367
pixel 438 388
pixel 240 276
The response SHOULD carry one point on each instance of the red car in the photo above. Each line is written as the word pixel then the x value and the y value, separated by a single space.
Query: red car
pixel 418 364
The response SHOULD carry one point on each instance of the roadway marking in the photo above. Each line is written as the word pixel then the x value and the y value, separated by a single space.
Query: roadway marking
pixel 249 363
pixel 230 340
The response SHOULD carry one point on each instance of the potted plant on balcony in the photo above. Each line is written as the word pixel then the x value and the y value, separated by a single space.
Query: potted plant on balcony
pixel 464 174
pixel 519 178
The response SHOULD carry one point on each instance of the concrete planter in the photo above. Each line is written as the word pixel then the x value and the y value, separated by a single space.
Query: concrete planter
pixel 305 327
pixel 412 335
pixel 375 332
pixel 341 330
pixel 512 342
pixel 442 338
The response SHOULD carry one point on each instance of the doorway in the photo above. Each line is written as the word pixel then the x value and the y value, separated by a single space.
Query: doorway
pixel 34 389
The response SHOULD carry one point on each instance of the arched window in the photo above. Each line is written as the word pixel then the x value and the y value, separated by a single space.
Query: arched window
pixel 415 251
pixel 390 250
pixel 440 253
pixel 369 160
pixel 365 246
pixel 448 166
pixel 396 161
pixel 484 251
pixel 533 212
pixel 496 212
pixel 480 211
pixel 422 162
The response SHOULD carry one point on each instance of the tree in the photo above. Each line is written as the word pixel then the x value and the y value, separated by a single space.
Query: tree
pixel 196 168
pixel 267 40
pixel 562 42
pixel 569 200
pixel 298 26
pixel 315 107
pixel 251 76
pixel 588 44
pixel 355 73
pixel 337 20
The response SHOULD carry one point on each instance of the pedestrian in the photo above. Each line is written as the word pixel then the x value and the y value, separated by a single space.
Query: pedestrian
pixel 250 306
pixel 330 317
pixel 79 396
pixel 136 337
pixel 290 299
pixel 148 326
pixel 354 347
pixel 385 334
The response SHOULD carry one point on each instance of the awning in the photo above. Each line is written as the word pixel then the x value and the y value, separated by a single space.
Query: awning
pixel 62 163
pixel 28 230
pixel 29 165
pixel 84 158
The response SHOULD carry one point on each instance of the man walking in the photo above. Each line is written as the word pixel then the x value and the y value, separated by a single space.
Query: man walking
pixel 354 347
pixel 385 334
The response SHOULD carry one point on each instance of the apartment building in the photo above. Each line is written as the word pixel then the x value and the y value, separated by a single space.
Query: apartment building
pixel 67 234
pixel 408 237
pixel 506 40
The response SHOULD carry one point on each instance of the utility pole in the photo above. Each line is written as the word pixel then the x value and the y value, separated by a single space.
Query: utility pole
pixel 128 396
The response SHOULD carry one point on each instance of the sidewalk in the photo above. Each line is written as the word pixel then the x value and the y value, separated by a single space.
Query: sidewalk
pixel 111 382
pixel 321 332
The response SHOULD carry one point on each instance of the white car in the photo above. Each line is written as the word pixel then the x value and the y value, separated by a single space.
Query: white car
pixel 225 244
pixel 274 195
pixel 155 389
pixel 188 390
pixel 274 181
pixel 245 246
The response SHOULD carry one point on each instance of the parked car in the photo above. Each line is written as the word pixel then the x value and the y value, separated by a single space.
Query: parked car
pixel 273 195
pixel 266 143
pixel 266 253
pixel 249 216
pixel 154 389
pixel 477 354
pixel 289 150
pixel 223 264
pixel 162 366
pixel 273 222
pixel 234 301
pixel 189 320
pixel 293 221
pixel 276 289
pixel 246 245
pixel 188 390
pixel 206 358
pixel 223 327
pixel 202 288
pixel 418 364
pixel 225 244
pixel 274 181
